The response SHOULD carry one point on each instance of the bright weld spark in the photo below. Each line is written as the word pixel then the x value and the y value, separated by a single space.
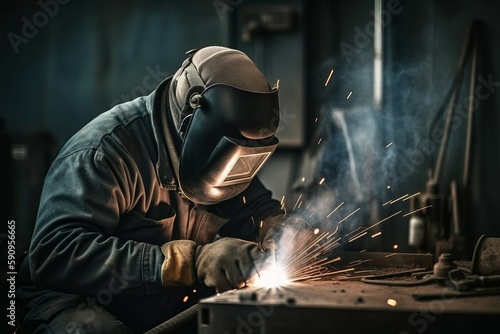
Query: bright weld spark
pixel 358 236
pixel 425 207
pixel 349 215
pixel 319 141
pixel 321 181
pixel 313 270
pixel 297 202
pixel 185 299
pixel 381 221
pixel 311 261
pixel 329 76
pixel 277 84
pixel 244 200
pixel 357 262
pixel 376 234
pixel 388 187
pixel 308 262
pixel 355 232
pixel 392 302
pixel 388 144
pixel 363 250
pixel 334 210
pixel 395 246
pixel 386 218
pixel 283 203
pixel 316 120
pixel 348 96
pixel 331 234
pixel 394 201
pixel 415 194
pixel 389 255
pixel 261 223
pixel 389 201
pixel 303 179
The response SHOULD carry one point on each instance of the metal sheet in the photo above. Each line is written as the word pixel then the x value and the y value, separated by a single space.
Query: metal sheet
pixel 344 307
pixel 351 306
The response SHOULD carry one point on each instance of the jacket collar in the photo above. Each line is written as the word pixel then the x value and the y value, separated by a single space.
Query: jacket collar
pixel 164 170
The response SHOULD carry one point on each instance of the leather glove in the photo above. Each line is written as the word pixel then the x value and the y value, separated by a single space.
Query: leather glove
pixel 178 266
pixel 229 263
pixel 284 233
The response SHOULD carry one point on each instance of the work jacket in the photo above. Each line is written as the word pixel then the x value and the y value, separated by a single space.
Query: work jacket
pixel 110 200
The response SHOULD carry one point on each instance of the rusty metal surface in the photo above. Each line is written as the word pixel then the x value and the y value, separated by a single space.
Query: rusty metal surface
pixel 348 305
pixel 486 257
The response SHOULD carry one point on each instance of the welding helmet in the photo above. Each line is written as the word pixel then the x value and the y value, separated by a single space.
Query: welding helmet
pixel 226 116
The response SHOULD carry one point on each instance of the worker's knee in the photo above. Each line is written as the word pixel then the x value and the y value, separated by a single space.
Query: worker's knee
pixel 73 321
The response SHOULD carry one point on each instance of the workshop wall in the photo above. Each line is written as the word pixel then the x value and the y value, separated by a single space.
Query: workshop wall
pixel 424 47
pixel 65 63
pixel 371 154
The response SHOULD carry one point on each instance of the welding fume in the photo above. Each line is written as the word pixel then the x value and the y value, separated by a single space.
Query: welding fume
pixel 155 204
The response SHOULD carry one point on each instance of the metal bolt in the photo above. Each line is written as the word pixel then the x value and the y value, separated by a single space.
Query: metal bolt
pixel 444 265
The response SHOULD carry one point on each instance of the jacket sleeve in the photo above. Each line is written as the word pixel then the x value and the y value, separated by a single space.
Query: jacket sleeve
pixel 247 210
pixel 73 248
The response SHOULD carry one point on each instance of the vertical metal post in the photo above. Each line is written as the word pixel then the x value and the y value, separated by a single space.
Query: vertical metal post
pixel 377 55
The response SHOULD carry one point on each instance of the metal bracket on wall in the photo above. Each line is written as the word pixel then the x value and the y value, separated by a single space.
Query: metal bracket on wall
pixel 267 19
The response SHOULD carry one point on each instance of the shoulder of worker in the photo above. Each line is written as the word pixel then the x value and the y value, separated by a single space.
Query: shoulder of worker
pixel 125 128
pixel 117 123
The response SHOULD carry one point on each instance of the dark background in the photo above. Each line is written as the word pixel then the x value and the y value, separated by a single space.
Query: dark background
pixel 63 63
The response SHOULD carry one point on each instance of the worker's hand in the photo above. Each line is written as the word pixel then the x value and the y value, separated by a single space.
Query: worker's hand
pixel 283 234
pixel 178 267
pixel 229 263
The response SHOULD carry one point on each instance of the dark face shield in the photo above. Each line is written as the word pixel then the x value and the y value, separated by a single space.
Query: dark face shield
pixel 229 137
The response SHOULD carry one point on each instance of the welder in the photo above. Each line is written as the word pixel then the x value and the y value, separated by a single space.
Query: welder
pixel 155 203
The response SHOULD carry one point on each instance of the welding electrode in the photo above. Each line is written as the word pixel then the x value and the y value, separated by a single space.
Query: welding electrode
pixel 271 251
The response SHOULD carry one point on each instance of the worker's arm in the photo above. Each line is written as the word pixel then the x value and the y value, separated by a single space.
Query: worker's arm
pixel 247 210
pixel 73 248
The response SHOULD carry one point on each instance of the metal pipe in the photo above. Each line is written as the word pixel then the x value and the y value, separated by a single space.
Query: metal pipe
pixel 451 109
pixel 184 322
pixel 470 121
pixel 377 55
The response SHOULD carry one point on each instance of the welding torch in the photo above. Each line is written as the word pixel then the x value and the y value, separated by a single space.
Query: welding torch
pixel 270 249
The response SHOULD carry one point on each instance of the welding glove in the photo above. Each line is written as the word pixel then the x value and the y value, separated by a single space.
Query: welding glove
pixel 229 263
pixel 283 233
pixel 178 268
